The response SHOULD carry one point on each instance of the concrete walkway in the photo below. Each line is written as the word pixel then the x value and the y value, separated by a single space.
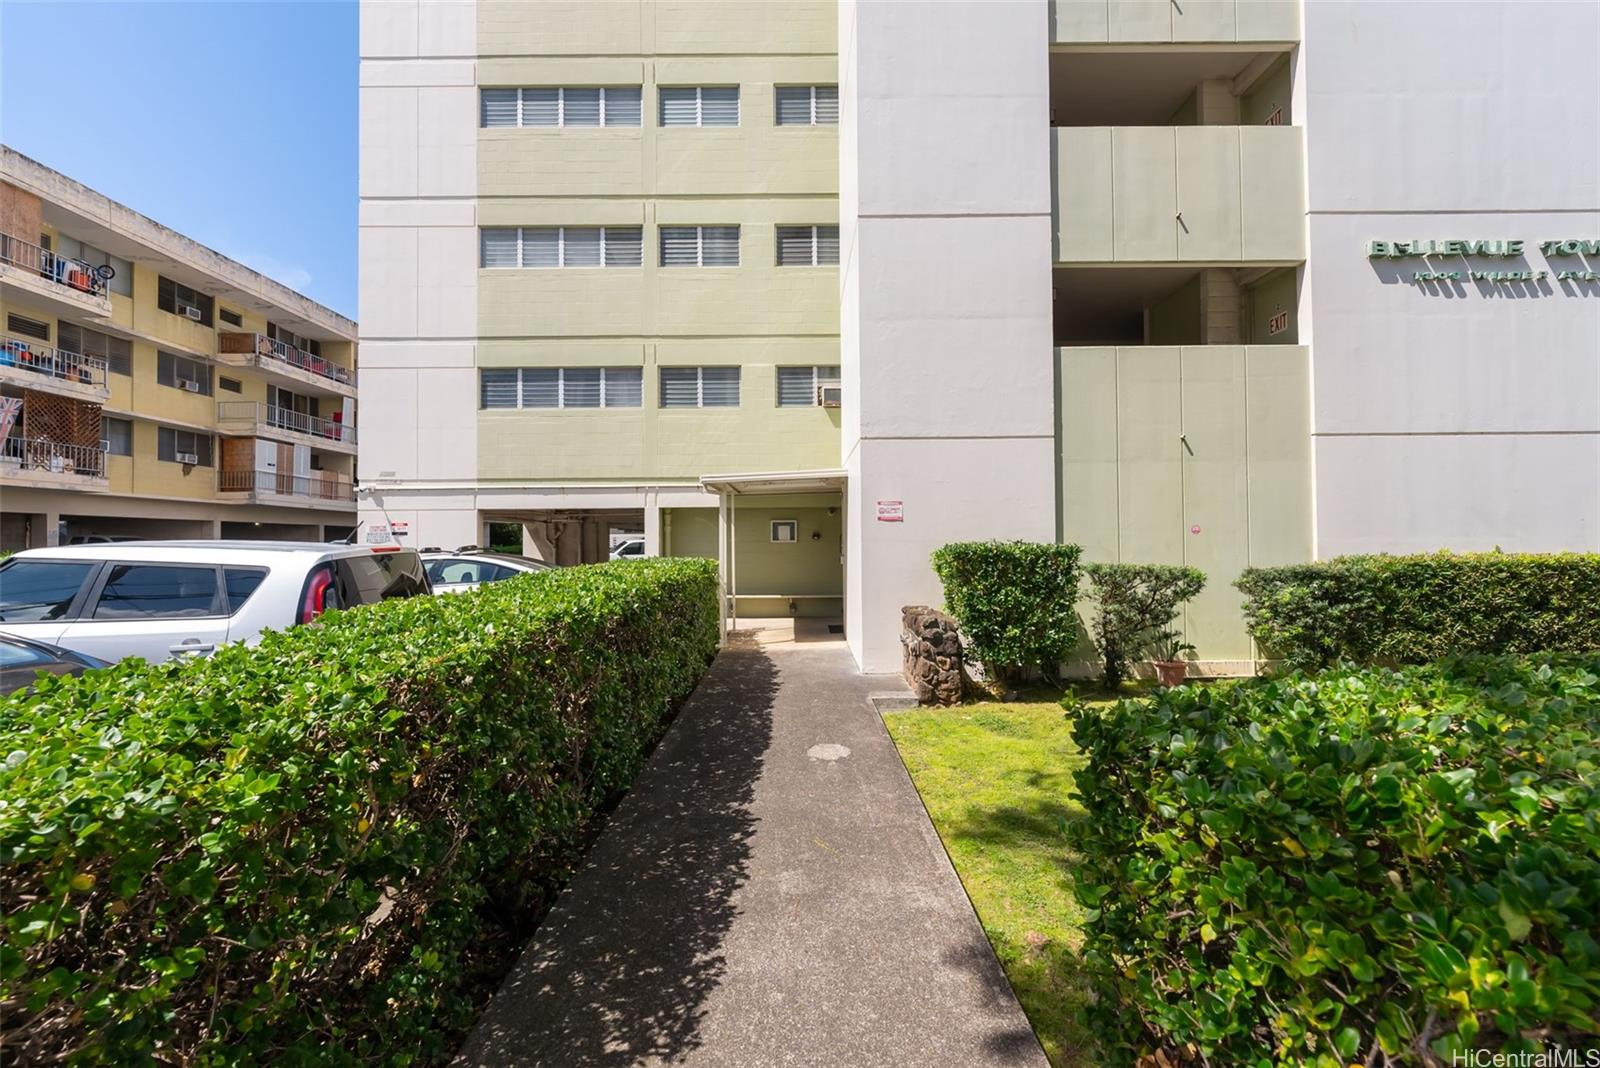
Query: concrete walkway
pixel 770 893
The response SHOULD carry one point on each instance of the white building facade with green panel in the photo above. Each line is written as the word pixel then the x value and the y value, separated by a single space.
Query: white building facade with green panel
pixel 817 287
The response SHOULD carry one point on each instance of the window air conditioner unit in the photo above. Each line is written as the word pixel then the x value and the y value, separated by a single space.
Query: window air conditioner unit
pixel 188 458
pixel 189 384
pixel 830 396
pixel 190 311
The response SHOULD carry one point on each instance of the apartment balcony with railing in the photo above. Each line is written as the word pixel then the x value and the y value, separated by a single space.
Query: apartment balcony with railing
pixel 283 424
pixel 285 364
pixel 314 488
pixel 43 463
pixel 35 365
pixel 66 286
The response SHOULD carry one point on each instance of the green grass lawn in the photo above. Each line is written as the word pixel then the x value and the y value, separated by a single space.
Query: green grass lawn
pixel 997 780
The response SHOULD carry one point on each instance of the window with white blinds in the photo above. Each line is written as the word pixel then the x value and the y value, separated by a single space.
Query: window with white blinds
pixel 699 387
pixel 797 386
pixel 808 246
pixel 615 105
pixel 699 105
pixel 511 388
pixel 561 246
pixel 807 105
pixel 699 246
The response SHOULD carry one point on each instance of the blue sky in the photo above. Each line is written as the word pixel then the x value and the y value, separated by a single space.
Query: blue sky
pixel 233 122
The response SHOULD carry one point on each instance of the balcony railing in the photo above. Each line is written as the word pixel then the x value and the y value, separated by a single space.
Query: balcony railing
pixel 320 486
pixel 74 274
pixel 264 347
pixel 42 454
pixel 52 363
pixel 274 416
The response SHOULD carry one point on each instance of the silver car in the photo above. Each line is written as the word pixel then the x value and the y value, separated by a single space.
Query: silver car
pixel 163 599
pixel 468 568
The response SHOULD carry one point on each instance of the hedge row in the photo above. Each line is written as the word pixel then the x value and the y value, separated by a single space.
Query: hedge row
pixel 1314 871
pixel 321 849
pixel 1412 609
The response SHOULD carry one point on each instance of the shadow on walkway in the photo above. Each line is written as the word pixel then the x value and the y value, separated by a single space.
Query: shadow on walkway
pixel 620 970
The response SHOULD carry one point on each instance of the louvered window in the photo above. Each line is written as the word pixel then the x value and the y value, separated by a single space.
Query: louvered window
pixel 699 105
pixel 798 387
pixel 617 105
pixel 560 387
pixel 699 387
pixel 561 246
pixel 807 105
pixel 808 246
pixel 699 246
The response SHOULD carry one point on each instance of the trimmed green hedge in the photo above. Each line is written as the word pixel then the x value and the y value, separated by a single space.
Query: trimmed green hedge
pixel 1299 871
pixel 1016 601
pixel 1412 609
pixel 1135 605
pixel 323 849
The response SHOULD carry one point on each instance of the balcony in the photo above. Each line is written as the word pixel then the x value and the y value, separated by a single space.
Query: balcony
pixel 41 463
pixel 284 364
pixel 66 287
pixel 324 489
pixel 1179 194
pixel 283 424
pixel 33 365
pixel 1091 22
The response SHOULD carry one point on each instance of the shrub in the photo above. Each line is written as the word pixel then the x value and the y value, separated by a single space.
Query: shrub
pixel 1308 871
pixel 320 849
pixel 1412 609
pixel 1014 600
pixel 1135 605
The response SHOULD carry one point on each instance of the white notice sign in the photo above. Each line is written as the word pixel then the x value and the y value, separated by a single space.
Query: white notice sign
pixel 891 511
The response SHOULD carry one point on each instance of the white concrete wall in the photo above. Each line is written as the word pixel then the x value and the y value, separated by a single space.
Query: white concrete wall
pixel 418 263
pixel 1460 416
pixel 946 304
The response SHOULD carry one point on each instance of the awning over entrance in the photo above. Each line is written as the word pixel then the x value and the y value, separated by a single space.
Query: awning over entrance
pixel 729 488
pixel 774 482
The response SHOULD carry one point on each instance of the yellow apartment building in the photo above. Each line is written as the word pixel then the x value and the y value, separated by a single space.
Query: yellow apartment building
pixel 151 387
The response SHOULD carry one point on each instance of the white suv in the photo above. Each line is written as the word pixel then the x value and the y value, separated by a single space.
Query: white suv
pixel 161 599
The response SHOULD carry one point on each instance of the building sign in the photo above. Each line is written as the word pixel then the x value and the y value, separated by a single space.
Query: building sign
pixel 891 511
pixel 1500 248
pixel 1278 323
pixel 399 529
pixel 378 534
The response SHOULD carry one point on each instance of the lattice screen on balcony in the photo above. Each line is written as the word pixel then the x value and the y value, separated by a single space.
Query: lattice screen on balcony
pixel 60 419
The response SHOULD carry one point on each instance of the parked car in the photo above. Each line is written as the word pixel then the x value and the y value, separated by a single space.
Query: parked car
pixel 470 567
pixel 632 549
pixel 22 661
pixel 161 599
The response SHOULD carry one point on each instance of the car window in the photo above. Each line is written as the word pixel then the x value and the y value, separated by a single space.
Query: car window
pixel 157 591
pixel 449 572
pixel 39 589
pixel 13 655
pixel 382 575
pixel 241 583
pixel 495 573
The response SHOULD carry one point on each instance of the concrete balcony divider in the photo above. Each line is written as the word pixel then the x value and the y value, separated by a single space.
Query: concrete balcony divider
pixel 1179 194
pixel 1081 22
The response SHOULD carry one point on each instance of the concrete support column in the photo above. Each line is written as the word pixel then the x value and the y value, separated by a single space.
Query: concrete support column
pixel 569 542
pixel 652 526
pixel 537 542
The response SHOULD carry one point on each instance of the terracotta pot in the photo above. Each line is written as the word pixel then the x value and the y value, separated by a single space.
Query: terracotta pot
pixel 1170 672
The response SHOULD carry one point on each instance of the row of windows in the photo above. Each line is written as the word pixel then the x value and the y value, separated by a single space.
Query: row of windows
pixel 623 246
pixel 172 445
pixel 511 388
pixel 620 105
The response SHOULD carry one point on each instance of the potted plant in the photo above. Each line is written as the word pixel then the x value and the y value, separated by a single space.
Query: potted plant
pixel 1167 651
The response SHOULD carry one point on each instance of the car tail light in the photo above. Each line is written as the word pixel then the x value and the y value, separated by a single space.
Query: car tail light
pixel 315 601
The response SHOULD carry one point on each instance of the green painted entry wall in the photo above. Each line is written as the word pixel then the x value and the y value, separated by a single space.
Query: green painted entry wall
pixel 770 573
pixel 1198 455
